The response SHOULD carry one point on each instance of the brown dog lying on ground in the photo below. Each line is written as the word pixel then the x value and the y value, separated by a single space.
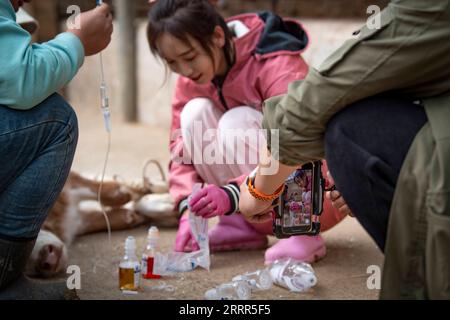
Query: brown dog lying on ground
pixel 77 212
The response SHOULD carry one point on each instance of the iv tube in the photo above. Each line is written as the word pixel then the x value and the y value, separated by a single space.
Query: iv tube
pixel 107 119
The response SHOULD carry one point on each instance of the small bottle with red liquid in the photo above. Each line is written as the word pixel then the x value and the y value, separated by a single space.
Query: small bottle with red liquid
pixel 149 254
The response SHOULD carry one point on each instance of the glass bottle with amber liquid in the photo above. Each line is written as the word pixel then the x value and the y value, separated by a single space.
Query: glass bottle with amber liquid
pixel 129 268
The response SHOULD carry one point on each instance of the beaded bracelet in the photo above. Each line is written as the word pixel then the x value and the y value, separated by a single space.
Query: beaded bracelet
pixel 262 196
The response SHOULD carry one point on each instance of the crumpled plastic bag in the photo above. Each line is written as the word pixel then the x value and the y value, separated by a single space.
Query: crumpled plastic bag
pixel 174 262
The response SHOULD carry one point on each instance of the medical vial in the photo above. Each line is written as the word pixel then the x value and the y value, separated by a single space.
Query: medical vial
pixel 149 254
pixel 129 268
pixel 235 290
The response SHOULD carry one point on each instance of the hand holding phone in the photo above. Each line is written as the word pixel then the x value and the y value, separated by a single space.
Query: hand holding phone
pixel 337 200
pixel 301 203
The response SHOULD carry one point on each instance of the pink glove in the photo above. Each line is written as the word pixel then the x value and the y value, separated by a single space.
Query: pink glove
pixel 210 201
pixel 184 241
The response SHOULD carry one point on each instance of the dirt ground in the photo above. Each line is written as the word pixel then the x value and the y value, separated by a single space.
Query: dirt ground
pixel 341 275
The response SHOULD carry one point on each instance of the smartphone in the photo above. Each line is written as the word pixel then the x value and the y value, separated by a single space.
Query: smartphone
pixel 301 203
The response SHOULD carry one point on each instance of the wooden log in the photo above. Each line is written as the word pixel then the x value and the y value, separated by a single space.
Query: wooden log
pixel 126 34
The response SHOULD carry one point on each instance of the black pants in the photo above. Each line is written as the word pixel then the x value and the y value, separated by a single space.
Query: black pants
pixel 365 147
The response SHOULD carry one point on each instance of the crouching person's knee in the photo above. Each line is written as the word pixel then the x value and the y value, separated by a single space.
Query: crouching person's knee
pixel 334 141
pixel 58 109
pixel 61 118
pixel 199 111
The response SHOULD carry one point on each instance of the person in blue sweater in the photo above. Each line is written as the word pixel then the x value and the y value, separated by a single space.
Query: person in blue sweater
pixel 38 135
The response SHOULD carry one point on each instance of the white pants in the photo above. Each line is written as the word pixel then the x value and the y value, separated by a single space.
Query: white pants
pixel 205 128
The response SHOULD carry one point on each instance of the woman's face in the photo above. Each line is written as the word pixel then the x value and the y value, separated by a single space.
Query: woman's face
pixel 190 60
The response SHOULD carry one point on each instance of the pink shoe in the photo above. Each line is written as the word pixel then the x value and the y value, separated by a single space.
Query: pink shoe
pixel 235 233
pixel 302 248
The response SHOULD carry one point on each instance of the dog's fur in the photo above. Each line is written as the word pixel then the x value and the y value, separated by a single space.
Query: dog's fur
pixel 77 212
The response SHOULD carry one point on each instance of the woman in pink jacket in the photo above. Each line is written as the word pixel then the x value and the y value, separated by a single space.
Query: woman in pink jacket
pixel 227 69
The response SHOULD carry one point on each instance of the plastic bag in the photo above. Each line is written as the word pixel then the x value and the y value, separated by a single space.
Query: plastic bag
pixel 166 264
pixel 175 262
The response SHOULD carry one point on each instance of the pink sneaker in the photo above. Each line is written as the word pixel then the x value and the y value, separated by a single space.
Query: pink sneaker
pixel 235 233
pixel 302 248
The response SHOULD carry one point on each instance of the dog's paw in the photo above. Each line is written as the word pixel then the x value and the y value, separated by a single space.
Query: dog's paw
pixel 114 194
pixel 155 206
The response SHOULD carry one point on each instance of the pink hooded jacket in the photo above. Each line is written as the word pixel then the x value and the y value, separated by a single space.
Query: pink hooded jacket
pixel 267 60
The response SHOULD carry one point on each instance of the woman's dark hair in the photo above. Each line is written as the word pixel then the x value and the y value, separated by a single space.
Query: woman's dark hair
pixel 188 18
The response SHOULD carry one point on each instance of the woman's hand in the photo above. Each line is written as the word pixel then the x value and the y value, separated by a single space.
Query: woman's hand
pixel 96 29
pixel 252 209
pixel 259 211
pixel 210 201
pixel 337 200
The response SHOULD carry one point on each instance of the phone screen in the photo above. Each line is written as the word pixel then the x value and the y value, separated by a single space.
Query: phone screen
pixel 297 201
pixel 301 203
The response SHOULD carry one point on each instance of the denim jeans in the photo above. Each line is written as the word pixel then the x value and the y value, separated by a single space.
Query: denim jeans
pixel 37 147
pixel 365 146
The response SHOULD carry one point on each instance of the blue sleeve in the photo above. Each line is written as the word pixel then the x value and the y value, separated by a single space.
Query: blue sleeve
pixel 30 73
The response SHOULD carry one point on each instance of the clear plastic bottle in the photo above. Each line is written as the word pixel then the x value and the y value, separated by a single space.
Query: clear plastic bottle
pixel 235 290
pixel 129 268
pixel 148 257
pixel 293 275
pixel 258 280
